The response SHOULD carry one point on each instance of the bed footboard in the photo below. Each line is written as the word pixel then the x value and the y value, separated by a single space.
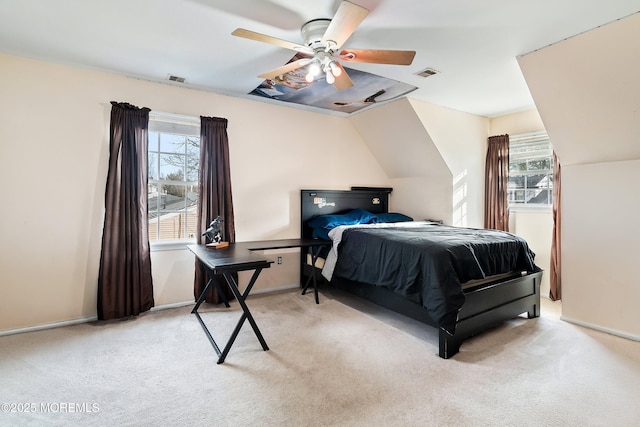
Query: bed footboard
pixel 485 307
pixel 489 306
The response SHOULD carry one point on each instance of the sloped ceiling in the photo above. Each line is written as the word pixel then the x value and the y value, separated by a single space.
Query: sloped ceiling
pixel 399 141
pixel 421 179
pixel 587 90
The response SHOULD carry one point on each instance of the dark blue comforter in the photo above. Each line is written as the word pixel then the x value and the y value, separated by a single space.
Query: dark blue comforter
pixel 428 263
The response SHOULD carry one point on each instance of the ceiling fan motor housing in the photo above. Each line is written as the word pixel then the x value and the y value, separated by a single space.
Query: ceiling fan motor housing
pixel 312 33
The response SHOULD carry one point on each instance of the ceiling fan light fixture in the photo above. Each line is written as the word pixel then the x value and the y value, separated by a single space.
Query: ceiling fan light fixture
pixel 335 70
pixel 315 68
pixel 330 78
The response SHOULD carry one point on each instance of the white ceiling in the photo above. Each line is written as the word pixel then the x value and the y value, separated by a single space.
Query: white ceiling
pixel 472 43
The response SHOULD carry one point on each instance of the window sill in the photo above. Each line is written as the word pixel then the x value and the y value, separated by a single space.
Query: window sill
pixel 170 245
pixel 531 209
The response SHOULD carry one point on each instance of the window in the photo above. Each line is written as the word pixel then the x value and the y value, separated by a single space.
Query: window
pixel 174 154
pixel 530 170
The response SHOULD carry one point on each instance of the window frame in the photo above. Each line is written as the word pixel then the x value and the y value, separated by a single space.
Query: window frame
pixel 173 124
pixel 531 139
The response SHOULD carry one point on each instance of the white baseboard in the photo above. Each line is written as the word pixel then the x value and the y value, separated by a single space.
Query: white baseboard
pixel 172 305
pixel 49 325
pixel 282 288
pixel 601 328
pixel 95 317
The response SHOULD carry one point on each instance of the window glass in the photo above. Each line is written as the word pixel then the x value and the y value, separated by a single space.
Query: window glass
pixel 530 170
pixel 517 166
pixel 173 159
pixel 170 143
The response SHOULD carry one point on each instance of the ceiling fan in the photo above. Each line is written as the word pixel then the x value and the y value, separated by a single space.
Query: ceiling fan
pixel 322 40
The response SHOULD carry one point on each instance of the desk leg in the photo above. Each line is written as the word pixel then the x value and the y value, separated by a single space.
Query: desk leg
pixel 312 277
pixel 201 299
pixel 246 315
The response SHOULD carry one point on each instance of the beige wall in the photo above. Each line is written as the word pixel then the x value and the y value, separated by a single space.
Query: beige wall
pixel 55 144
pixel 587 91
pixel 600 235
pixel 54 155
pixel 461 139
pixel 517 123
pixel 536 227
pixel 55 151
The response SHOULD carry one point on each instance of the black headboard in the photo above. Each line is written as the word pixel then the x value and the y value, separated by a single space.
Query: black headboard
pixel 323 202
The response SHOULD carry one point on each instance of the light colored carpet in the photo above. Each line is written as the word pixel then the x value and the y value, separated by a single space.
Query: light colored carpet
pixel 328 365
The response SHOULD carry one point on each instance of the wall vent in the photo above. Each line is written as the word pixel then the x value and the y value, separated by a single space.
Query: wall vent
pixel 427 72
pixel 175 78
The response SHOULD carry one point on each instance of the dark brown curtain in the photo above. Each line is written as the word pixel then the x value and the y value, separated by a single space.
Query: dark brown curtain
pixel 125 287
pixel 555 292
pixel 496 209
pixel 214 196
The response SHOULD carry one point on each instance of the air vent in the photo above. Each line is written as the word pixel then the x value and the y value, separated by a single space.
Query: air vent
pixel 175 79
pixel 427 72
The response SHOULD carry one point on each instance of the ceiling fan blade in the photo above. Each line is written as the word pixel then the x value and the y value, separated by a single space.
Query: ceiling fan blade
pixel 344 23
pixel 252 35
pixel 285 69
pixel 343 81
pixel 372 98
pixel 372 56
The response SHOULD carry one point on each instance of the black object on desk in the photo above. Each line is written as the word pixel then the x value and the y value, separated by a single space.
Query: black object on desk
pixel 227 261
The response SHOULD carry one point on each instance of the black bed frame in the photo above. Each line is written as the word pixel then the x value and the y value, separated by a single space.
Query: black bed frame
pixel 486 305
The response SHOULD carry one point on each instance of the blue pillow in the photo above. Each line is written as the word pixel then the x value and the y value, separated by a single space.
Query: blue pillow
pixel 322 224
pixel 392 217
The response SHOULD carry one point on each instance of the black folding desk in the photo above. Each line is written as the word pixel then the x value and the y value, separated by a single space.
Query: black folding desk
pixel 237 257
pixel 225 262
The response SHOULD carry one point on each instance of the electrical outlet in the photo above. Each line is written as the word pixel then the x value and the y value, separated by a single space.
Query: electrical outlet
pixel 279 260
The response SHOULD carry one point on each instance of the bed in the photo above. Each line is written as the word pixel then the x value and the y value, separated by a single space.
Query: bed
pixel 461 281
